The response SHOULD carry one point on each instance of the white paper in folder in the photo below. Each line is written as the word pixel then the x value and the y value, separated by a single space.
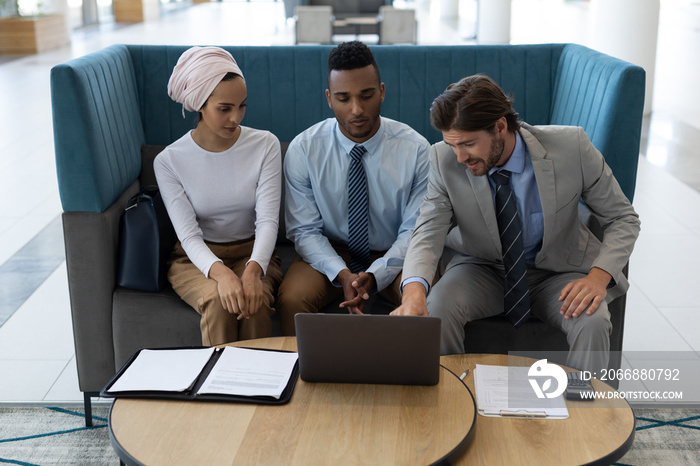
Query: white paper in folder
pixel 163 370
pixel 503 391
pixel 250 372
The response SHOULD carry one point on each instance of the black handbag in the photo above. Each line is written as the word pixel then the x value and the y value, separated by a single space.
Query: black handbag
pixel 146 239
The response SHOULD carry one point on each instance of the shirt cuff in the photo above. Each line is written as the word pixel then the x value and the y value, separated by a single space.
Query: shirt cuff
pixel 381 280
pixel 262 267
pixel 416 279
pixel 333 269
pixel 207 269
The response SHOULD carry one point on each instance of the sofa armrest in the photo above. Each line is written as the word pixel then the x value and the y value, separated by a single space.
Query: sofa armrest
pixel 92 251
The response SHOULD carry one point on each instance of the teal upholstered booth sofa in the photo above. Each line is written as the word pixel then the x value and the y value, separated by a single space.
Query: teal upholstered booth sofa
pixel 110 105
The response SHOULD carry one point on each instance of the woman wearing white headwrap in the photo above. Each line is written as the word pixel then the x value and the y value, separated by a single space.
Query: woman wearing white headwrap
pixel 221 184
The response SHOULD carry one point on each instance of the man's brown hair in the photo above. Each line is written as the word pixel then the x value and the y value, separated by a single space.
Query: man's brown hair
pixel 474 103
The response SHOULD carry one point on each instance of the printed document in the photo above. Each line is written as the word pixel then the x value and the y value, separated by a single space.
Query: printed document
pixel 250 372
pixel 505 391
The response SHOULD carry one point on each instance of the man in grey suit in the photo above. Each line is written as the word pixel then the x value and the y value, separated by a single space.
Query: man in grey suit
pixel 569 276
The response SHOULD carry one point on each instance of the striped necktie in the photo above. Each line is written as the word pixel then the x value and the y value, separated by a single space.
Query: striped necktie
pixel 516 299
pixel 358 212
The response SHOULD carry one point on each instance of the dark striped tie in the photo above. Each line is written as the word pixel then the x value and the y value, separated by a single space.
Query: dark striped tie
pixel 358 212
pixel 516 300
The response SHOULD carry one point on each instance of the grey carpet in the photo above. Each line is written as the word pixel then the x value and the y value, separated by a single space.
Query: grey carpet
pixel 665 437
pixel 54 436
pixel 58 436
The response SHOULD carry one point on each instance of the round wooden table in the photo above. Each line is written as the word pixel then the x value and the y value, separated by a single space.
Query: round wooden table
pixel 322 424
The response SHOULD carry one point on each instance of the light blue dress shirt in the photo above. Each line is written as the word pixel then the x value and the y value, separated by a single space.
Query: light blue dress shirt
pixel 316 206
pixel 524 185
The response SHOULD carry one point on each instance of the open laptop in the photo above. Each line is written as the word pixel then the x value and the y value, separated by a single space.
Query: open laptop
pixel 380 349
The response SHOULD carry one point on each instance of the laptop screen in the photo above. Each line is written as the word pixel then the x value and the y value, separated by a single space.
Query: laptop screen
pixel 381 349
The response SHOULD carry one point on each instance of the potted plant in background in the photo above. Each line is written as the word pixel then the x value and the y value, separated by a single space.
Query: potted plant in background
pixel 25 29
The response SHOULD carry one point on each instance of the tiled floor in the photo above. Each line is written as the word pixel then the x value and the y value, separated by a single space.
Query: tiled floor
pixel 37 364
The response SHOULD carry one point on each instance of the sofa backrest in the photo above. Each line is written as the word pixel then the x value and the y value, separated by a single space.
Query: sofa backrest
pixel 286 84
pixel 604 96
pixel 106 105
pixel 97 130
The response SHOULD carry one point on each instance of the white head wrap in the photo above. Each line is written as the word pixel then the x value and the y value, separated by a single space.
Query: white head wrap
pixel 197 72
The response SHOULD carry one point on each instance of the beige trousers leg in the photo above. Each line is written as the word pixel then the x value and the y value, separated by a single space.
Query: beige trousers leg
pixel 217 324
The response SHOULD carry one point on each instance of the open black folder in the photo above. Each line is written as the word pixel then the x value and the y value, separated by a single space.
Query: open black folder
pixel 247 375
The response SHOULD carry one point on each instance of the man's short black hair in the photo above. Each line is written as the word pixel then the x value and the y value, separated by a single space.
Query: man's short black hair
pixel 350 56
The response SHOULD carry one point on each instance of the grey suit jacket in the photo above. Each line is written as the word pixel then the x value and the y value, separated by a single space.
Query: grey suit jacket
pixel 458 209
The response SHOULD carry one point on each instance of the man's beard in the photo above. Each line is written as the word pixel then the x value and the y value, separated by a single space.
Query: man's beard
pixel 495 154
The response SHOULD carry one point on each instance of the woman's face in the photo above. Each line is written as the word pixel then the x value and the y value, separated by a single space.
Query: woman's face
pixel 224 110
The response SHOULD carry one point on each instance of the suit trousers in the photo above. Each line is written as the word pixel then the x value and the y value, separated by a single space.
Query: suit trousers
pixel 216 323
pixel 468 291
pixel 305 290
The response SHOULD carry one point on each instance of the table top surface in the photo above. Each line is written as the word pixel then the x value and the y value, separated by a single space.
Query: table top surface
pixel 367 424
